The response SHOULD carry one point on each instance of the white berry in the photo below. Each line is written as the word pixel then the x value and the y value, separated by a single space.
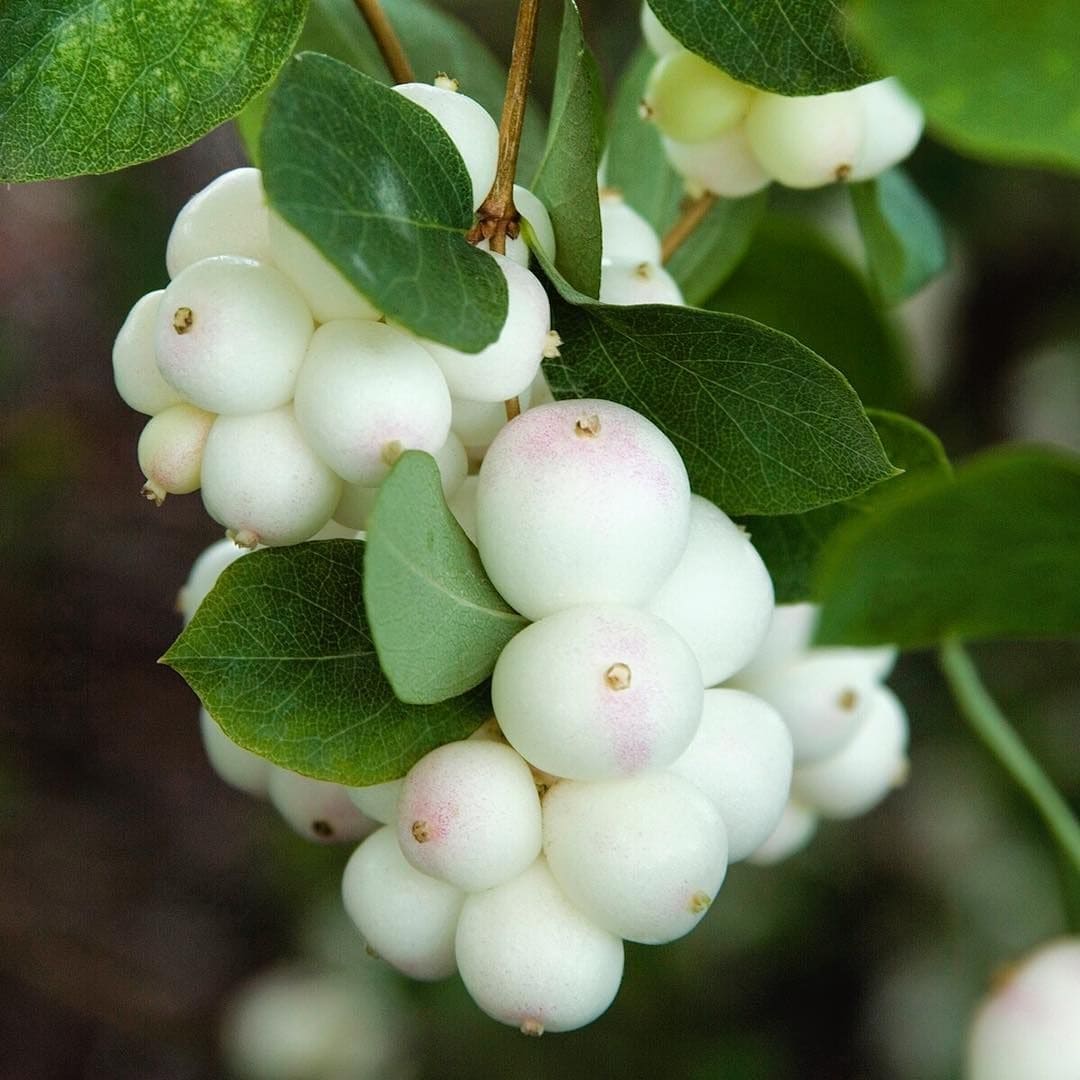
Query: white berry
pixel 691 100
pixel 625 283
pixel 627 236
pixel 203 575
pixel 657 37
pixel 238 767
pixel 726 165
pixel 135 369
pixel 793 832
pixel 316 809
pixel 894 123
pixel 463 506
pixel 379 801
pixel 171 449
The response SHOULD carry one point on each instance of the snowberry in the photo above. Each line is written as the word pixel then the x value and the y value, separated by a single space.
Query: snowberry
pixel 135 369
pixel 643 857
pixel 228 217
pixel 508 365
pixel 894 123
pixel 469 126
pixel 793 832
pixel 638 283
pixel 691 100
pixel 726 166
pixel 532 210
pixel 530 959
pixel 170 451
pixel 859 775
pixel 239 768
pixel 806 142
pixel 1028 1027
pixel 720 597
pixel 231 334
pixel 203 575
pixel 328 293
pixel 476 423
pixel 627 236
pixel 406 917
pixel 469 814
pixel 263 482
pixel 657 37
pixel 316 809
pixel 597 691
pixel 463 506
pixel 741 759
pixel 367 392
pixel 581 502
pixel 378 801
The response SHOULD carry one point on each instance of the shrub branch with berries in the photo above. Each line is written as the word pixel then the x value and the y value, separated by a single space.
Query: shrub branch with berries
pixel 558 592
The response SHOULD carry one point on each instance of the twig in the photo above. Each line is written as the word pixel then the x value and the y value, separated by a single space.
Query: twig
pixel 690 219
pixel 387 40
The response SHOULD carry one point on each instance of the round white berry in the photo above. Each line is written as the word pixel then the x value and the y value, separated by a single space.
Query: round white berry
pixel 657 37
pixel 407 918
pixel 691 100
pixel 720 597
pixel 627 236
pixel 263 482
pixel 203 575
pixel 170 451
pixel 469 814
pixel 231 335
pixel 805 142
pixel 1027 1027
pixel 581 502
pixel 643 857
pixel 328 293
pixel 597 691
pixel 239 768
pixel 858 776
pixel 378 801
pixel 477 423
pixel 316 809
pixel 469 126
pixel 793 832
pixel 741 758
pixel 625 283
pixel 508 365
pixel 463 506
pixel 530 959
pixel 228 217
pixel 894 124
pixel 135 369
pixel 366 393
pixel 532 210
pixel 726 166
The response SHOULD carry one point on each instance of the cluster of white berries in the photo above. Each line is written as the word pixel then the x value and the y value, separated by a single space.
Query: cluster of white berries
pixel 277 389
pixel 732 139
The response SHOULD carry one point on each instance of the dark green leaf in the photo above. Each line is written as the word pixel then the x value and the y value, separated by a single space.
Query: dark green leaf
pixel 997 80
pixel 433 40
pixel 566 178
pixel 787 46
pixel 375 182
pixel 438 623
pixel 905 247
pixel 91 87
pixel 793 280
pixel 764 425
pixel 791 543
pixel 991 554
pixel 281 656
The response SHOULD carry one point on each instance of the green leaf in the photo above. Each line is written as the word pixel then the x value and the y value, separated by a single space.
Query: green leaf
pixel 794 280
pixel 991 554
pixel 434 42
pixel 790 544
pixel 997 80
pixel 88 87
pixel 764 425
pixel 787 46
pixel 566 179
pixel 330 134
pixel 281 655
pixel 438 623
pixel 905 247
pixel 638 168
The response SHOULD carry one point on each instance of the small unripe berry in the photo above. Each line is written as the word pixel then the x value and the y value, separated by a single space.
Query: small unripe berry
pixel 203 575
pixel 228 217
pixel 691 100
pixel 231 334
pixel 316 809
pixel 597 691
pixel 239 768
pixel 643 857
pixel 627 236
pixel 135 369
pixel 657 37
pixel 407 918
pixel 581 502
pixel 726 166
pixel 625 283
pixel 263 482
pixel 171 449
pixel 793 832
pixel 379 801
pixel 530 959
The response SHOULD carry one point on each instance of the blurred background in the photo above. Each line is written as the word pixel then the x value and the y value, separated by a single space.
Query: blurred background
pixel 139 895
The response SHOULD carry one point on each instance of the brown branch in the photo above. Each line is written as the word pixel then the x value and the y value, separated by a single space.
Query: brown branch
pixel 691 217
pixel 387 40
